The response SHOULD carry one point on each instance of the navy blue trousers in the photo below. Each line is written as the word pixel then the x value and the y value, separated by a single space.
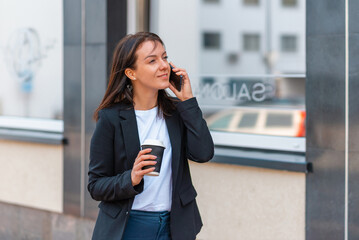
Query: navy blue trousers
pixel 148 226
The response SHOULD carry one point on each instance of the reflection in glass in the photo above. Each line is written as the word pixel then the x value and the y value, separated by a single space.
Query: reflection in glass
pixel 288 43
pixel 251 42
pixel 211 40
pixel 289 3
pixel 31 59
pixel 279 119
pixel 246 60
pixel 248 120
pixel 251 2
pixel 222 122
pixel 264 121
pixel 211 1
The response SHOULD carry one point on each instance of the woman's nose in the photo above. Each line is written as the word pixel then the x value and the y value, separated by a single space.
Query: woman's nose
pixel 164 64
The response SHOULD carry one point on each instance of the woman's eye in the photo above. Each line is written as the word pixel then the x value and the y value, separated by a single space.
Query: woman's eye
pixel 152 61
pixel 165 58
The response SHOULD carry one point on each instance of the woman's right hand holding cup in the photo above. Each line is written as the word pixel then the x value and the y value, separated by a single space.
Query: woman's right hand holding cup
pixel 142 159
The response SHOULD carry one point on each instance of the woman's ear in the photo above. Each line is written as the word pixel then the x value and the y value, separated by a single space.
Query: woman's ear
pixel 130 74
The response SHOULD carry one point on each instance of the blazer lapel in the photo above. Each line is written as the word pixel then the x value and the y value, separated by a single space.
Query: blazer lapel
pixel 174 133
pixel 130 132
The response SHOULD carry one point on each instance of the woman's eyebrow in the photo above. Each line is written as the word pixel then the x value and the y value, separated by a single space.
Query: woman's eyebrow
pixel 153 55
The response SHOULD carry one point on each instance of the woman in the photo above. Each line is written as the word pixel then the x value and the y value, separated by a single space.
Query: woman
pixel 136 107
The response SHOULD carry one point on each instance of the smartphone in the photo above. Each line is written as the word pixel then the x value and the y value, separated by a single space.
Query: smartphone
pixel 175 80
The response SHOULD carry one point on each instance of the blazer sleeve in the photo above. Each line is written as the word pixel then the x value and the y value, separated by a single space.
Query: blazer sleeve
pixel 199 143
pixel 103 184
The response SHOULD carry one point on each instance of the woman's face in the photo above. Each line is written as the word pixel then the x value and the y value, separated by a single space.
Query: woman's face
pixel 152 69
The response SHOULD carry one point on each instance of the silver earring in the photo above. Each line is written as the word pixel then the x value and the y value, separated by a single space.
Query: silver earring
pixel 129 87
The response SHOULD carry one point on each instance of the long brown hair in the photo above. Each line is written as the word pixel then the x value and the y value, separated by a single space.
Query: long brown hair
pixel 119 88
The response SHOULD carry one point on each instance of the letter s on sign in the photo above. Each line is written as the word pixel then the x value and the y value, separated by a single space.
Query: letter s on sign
pixel 258 92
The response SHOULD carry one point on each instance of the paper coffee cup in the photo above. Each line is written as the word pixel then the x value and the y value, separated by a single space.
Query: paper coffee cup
pixel 158 148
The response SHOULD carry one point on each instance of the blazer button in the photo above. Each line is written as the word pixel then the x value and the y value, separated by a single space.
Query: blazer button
pixel 126 213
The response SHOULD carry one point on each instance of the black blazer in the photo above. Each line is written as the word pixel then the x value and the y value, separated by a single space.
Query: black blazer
pixel 114 147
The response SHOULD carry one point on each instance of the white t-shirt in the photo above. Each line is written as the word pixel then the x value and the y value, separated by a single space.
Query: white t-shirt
pixel 157 191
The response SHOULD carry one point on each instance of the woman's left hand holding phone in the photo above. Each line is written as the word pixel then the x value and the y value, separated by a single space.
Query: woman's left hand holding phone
pixel 142 159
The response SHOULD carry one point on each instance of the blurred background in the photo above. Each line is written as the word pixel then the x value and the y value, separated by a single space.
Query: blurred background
pixel 248 68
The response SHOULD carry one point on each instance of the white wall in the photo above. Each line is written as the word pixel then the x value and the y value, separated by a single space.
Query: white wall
pixel 32 175
pixel 249 203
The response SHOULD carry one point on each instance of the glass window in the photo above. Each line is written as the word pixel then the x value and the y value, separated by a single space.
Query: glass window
pixel 211 1
pixel 232 58
pixel 248 120
pixel 251 2
pixel 247 86
pixel 288 43
pixel 289 3
pixel 221 123
pixel 251 42
pixel 31 59
pixel 279 120
pixel 208 80
pixel 211 40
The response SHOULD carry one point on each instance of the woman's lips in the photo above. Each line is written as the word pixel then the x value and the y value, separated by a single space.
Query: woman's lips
pixel 163 75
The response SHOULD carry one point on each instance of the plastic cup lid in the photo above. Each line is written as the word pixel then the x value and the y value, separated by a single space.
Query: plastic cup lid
pixel 154 142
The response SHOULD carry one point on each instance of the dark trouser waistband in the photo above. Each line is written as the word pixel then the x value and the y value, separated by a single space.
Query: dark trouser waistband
pixel 148 225
pixel 150 214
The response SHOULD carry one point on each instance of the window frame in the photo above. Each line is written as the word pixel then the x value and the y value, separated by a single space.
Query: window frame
pixel 32 124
